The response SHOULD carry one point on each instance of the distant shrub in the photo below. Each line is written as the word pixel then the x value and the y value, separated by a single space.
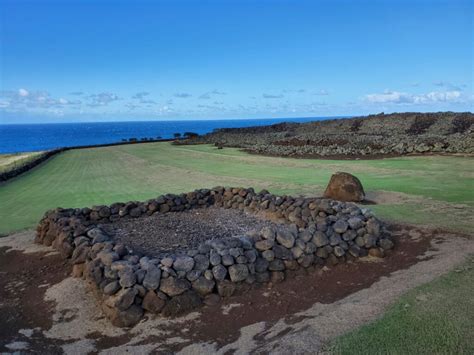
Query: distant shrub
pixel 356 124
pixel 461 124
pixel 190 135
pixel 421 124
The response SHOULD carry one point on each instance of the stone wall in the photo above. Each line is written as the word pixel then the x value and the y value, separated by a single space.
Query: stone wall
pixel 314 232
pixel 376 135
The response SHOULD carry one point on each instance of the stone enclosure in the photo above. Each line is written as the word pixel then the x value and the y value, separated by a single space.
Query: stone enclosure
pixel 276 236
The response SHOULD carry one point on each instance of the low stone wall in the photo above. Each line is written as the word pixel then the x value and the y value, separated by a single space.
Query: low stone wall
pixel 23 168
pixel 314 232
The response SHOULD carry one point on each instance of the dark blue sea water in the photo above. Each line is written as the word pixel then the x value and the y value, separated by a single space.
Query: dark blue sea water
pixel 34 137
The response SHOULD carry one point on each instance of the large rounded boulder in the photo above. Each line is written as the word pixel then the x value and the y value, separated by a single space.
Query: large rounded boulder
pixel 344 187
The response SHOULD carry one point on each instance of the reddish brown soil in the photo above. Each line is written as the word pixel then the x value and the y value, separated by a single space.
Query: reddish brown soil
pixel 22 304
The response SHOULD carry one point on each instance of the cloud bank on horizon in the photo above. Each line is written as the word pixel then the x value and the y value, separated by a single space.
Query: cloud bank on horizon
pixel 143 60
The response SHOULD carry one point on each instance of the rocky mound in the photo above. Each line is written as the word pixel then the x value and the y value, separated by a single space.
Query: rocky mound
pixel 374 135
pixel 313 232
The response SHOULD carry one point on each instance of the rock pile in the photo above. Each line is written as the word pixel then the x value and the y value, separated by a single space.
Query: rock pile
pixel 375 135
pixel 315 231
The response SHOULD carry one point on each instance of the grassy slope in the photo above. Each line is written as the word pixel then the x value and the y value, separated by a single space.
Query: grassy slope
pixel 80 178
pixel 11 161
pixel 436 318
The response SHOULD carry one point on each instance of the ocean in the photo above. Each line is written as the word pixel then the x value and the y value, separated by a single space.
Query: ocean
pixel 37 137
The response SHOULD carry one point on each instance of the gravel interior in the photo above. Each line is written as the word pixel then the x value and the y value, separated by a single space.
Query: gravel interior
pixel 161 234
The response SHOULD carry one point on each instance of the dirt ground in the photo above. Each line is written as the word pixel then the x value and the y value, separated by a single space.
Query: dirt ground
pixel 162 234
pixel 44 310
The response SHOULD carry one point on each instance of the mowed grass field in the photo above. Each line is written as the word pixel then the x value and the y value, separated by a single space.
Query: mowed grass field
pixel 437 191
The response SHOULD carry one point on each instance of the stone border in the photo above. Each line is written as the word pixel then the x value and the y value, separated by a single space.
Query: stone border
pixel 315 231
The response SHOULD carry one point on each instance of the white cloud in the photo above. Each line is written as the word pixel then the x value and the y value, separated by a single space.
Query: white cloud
pixel 26 100
pixel 102 99
pixel 23 92
pixel 396 97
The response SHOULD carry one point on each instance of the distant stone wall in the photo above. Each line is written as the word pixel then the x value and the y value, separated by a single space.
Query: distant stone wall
pixel 314 232
pixel 370 136
pixel 22 168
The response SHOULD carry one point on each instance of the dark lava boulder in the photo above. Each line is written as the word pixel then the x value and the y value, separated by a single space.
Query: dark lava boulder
pixel 344 187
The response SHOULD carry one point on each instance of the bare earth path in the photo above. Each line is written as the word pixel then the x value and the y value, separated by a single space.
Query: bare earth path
pixel 44 310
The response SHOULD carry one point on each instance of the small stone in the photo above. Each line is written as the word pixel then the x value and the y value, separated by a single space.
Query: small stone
pixel 305 236
pixel 373 227
pixel 310 248
pixel 277 277
pixel 370 241
pixel 152 303
pixel 182 304
pixel 282 253
pixel 214 258
pixel 173 286
pixel 322 253
pixel 354 250
pixel 349 235
pixel 127 277
pixel 201 262
pixel 235 252
pixel 123 299
pixel 203 286
pixel 126 318
pixel 335 240
pixel 80 254
pixel 376 253
pixel 297 252
pixel 320 239
pixel 276 265
pixel 111 288
pixel 227 260
pixel 306 261
pixel 208 275
pixel 168 262
pixel 241 259
pixel 268 255
pixel 193 275
pixel 285 238
pixel 152 278
pixel 219 272
pixel 355 223
pixel 251 255
pixel 183 263
pixel 340 226
pixel 193 252
pixel 338 251
pixel 226 288
pixel 268 233
pixel 265 244
pixel 261 265
pixel 238 272
pixel 262 277
pixel 386 244
pixel 78 270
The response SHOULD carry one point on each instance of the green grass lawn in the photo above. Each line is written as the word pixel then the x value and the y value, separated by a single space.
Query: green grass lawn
pixel 436 318
pixel 433 190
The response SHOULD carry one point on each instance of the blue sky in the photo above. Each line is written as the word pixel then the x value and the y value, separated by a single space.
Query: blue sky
pixel 65 61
